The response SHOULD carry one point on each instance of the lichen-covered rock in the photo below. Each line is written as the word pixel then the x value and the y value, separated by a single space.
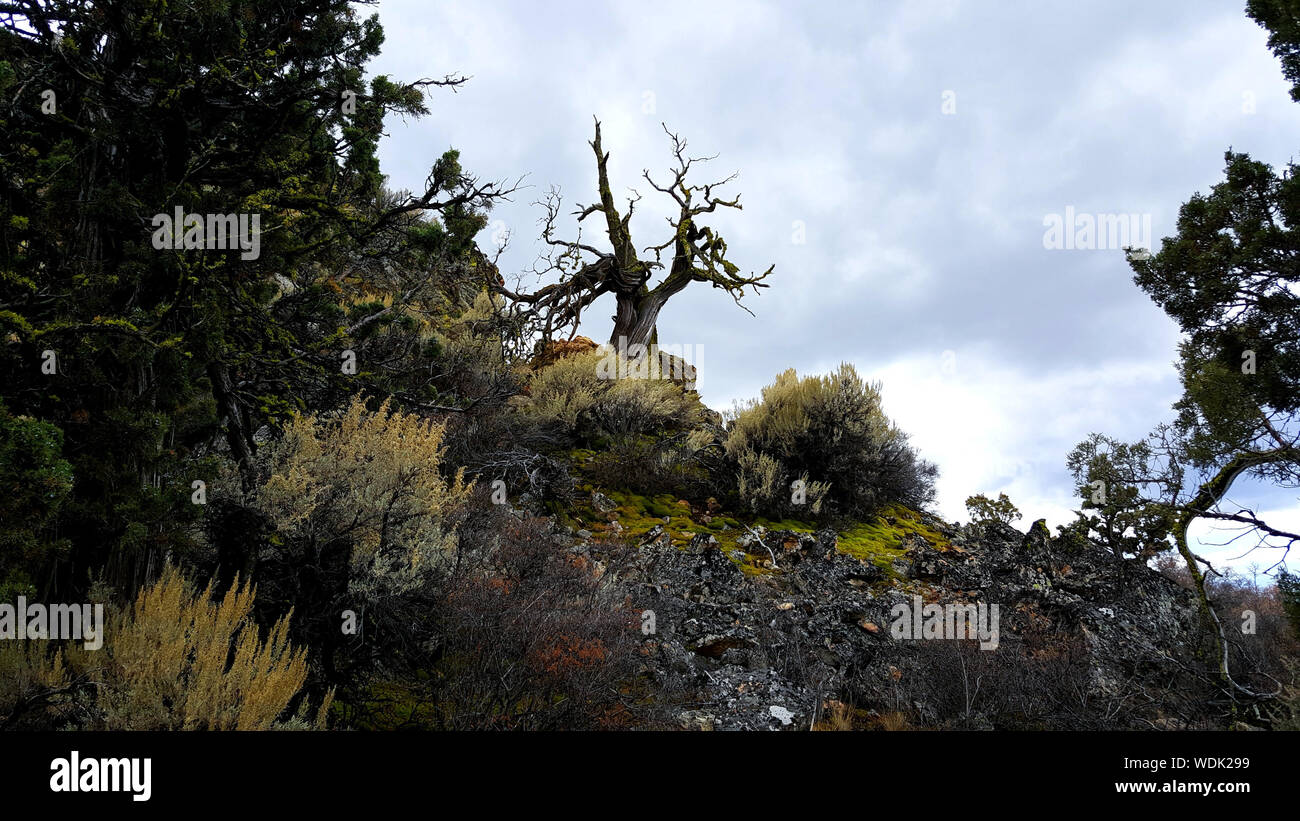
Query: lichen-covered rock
pixel 819 626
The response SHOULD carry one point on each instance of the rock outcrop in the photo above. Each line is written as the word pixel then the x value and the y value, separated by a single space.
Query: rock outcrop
pixel 1085 641
pixel 557 349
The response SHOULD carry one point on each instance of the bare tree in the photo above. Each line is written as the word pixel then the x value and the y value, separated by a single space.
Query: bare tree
pixel 691 253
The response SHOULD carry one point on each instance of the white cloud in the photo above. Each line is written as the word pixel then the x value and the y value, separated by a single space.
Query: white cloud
pixel 995 428
pixel 923 231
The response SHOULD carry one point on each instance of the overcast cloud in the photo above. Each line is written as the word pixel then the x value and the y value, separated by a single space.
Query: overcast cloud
pixel 922 260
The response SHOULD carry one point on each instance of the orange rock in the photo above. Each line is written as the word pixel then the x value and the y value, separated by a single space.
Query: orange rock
pixel 557 349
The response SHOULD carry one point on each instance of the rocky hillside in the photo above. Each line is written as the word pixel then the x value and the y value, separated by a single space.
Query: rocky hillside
pixel 773 626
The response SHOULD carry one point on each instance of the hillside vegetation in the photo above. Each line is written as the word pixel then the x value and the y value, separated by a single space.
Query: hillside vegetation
pixel 325 465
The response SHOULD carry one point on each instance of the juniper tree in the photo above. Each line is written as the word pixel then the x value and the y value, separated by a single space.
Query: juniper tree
pixel 113 112
pixel 1230 278
pixel 690 252
pixel 984 510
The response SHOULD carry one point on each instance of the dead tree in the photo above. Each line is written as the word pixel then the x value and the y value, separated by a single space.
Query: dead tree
pixel 691 253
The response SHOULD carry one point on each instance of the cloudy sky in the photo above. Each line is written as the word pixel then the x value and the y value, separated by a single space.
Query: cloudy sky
pixel 897 163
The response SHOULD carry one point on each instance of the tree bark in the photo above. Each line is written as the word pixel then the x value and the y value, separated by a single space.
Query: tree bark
pixel 636 320
pixel 238 436
pixel 1206 497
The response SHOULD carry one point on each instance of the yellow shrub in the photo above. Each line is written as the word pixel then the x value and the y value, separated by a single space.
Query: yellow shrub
pixel 564 390
pixel 31 674
pixel 833 429
pixel 179 660
pixel 174 660
pixel 572 393
pixel 370 477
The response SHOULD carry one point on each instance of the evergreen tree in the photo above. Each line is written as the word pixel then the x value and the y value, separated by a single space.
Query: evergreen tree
pixel 114 116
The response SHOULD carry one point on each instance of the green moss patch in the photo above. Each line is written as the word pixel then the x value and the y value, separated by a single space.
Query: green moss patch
pixel 881 541
pixel 797 525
